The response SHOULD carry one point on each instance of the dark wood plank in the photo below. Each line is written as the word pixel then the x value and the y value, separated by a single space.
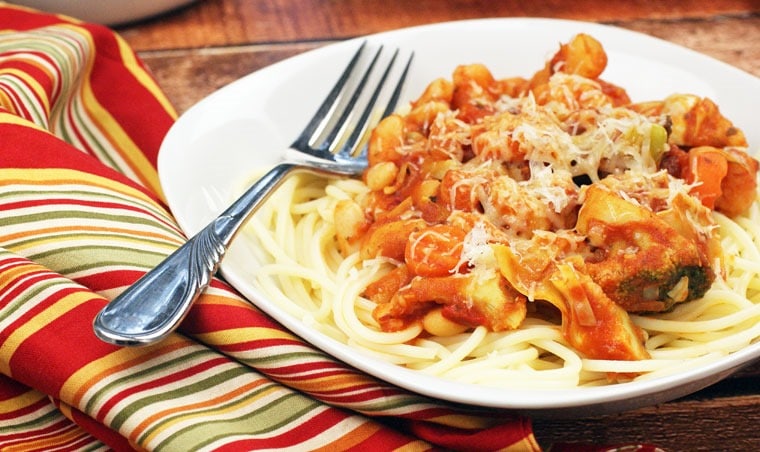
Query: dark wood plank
pixel 734 40
pixel 726 423
pixel 188 76
pixel 723 416
pixel 237 22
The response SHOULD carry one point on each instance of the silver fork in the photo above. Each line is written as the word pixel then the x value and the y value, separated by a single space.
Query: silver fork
pixel 154 306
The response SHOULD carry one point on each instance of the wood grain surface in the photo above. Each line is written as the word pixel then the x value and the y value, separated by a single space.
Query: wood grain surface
pixel 210 23
pixel 198 49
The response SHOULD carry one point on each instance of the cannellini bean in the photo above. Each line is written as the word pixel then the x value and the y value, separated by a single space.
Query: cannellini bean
pixel 437 325
pixel 385 140
pixel 349 222
pixel 583 56
pixel 438 90
pixel 381 175
pixel 423 116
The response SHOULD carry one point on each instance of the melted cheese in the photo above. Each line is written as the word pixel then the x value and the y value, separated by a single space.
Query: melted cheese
pixel 477 252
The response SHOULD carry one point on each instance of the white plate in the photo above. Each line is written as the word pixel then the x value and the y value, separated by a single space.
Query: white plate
pixel 213 148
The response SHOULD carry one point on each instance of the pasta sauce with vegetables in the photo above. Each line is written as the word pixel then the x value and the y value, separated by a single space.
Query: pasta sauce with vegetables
pixel 526 230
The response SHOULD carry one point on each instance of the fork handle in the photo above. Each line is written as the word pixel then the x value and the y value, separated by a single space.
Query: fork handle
pixel 153 307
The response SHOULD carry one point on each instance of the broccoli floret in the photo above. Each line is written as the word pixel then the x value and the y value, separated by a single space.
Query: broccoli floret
pixel 641 262
pixel 658 291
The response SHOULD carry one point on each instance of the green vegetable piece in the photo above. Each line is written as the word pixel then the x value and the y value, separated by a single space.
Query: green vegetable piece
pixel 658 139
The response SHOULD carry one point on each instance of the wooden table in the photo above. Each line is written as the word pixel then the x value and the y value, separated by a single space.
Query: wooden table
pixel 201 48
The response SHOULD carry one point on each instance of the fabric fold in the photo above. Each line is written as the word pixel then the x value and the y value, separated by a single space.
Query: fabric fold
pixel 82 217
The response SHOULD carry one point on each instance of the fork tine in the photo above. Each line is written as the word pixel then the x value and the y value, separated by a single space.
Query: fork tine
pixel 396 94
pixel 342 121
pixel 363 124
pixel 319 120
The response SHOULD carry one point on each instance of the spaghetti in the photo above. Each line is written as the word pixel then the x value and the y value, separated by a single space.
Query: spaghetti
pixel 530 210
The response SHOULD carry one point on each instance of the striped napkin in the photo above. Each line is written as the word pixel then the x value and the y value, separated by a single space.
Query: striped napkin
pixel 82 217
